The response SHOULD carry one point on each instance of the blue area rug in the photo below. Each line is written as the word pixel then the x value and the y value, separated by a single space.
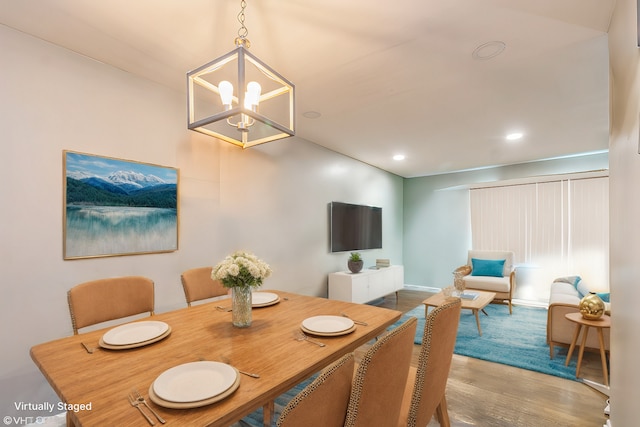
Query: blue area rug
pixel 517 340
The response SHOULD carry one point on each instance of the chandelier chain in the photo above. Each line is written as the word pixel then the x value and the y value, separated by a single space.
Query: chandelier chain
pixel 242 31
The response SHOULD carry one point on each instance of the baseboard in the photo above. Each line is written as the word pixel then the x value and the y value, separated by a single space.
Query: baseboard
pixel 597 386
pixel 530 303
pixel 421 288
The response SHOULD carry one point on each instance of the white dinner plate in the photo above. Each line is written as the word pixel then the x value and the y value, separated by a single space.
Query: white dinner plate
pixel 195 381
pixel 329 334
pixel 135 332
pixel 327 324
pixel 198 403
pixel 263 299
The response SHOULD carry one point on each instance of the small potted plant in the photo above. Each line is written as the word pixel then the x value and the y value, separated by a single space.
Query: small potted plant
pixel 355 262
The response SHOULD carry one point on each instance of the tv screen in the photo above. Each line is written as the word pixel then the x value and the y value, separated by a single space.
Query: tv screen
pixel 355 227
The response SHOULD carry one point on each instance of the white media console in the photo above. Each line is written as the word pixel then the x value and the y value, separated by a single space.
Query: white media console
pixel 367 285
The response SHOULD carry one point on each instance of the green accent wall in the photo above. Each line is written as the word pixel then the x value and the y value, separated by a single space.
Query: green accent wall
pixel 437 225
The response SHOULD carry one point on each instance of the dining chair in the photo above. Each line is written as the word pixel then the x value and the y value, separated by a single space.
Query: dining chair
pixel 424 392
pixel 101 300
pixel 379 380
pixel 198 285
pixel 323 403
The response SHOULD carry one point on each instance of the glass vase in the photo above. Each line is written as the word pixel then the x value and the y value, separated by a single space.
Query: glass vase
pixel 458 283
pixel 241 306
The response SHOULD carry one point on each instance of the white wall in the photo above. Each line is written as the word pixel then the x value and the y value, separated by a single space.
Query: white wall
pixel 271 200
pixel 437 224
pixel 624 213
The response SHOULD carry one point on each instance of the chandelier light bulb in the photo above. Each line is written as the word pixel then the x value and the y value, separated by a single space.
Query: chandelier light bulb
pixel 252 97
pixel 226 93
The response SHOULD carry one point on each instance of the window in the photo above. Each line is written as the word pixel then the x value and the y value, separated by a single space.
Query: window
pixel 555 228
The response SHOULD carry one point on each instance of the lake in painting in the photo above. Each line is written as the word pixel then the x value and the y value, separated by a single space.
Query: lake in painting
pixel 105 230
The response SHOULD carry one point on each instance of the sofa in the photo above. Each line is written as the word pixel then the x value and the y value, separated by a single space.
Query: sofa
pixel 491 271
pixel 565 296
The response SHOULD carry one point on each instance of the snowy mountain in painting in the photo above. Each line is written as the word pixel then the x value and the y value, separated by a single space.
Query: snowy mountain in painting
pixel 79 175
pixel 133 180
pixel 118 182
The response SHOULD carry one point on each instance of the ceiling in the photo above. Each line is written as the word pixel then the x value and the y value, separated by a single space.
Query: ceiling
pixel 387 77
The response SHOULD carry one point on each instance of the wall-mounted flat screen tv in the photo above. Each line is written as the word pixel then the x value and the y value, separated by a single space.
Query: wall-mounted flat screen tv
pixel 355 227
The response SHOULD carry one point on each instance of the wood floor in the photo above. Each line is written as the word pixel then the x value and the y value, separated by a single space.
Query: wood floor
pixel 481 393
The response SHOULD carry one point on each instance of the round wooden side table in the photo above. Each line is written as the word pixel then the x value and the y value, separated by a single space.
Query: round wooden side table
pixel 599 325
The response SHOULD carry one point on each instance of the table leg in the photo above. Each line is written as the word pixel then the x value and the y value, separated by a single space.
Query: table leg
pixel 426 310
pixel 475 312
pixel 573 343
pixel 603 357
pixel 267 413
pixel 581 352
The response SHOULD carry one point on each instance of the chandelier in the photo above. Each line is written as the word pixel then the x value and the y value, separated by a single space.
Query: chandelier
pixel 240 99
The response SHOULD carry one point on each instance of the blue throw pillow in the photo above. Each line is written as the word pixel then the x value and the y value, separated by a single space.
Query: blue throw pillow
pixel 487 267
pixel 604 296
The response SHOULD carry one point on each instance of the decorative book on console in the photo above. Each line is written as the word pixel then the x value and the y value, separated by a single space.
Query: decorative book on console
pixel 382 263
pixel 469 295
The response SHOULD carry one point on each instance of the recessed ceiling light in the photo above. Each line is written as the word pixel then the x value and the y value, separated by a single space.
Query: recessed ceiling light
pixel 514 136
pixel 311 114
pixel 399 157
pixel 488 50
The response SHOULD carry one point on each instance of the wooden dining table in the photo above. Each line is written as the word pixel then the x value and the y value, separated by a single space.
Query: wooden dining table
pixel 102 380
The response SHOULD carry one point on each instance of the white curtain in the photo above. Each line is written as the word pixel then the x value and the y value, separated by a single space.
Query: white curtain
pixel 589 230
pixel 555 228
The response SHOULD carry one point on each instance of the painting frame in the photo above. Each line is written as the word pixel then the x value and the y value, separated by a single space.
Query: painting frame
pixel 118 207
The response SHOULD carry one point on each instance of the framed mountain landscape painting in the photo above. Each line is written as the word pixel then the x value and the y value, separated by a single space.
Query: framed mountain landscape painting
pixel 116 207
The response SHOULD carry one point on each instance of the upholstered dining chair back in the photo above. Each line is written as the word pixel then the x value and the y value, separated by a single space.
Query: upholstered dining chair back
pixel 425 391
pixel 380 378
pixel 198 285
pixel 323 403
pixel 101 300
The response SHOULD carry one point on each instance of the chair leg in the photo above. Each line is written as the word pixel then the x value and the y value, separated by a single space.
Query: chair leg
pixel 442 414
pixel 550 350
pixel 510 308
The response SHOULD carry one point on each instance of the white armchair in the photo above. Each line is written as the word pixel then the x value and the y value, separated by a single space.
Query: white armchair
pixel 489 277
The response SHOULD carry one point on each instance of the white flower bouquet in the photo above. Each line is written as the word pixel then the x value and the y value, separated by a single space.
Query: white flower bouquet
pixel 241 269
